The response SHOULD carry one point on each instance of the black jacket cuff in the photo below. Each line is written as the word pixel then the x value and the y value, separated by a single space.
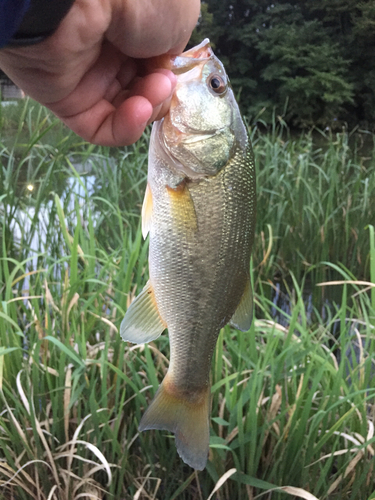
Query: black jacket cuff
pixel 40 21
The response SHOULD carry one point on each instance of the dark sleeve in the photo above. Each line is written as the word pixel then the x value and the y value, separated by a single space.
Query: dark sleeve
pixel 11 14
pixel 34 20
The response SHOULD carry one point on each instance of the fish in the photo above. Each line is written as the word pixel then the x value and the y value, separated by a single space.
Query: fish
pixel 199 212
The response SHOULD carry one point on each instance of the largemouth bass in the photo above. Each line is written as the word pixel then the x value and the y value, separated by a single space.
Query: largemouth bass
pixel 199 210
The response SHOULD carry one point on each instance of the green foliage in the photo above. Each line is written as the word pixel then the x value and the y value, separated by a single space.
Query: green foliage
pixel 314 200
pixel 205 25
pixel 314 60
pixel 306 71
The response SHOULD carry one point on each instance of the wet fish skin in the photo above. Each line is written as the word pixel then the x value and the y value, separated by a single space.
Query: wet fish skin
pixel 200 212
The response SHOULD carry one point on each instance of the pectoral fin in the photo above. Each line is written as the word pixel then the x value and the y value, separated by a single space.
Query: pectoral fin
pixel 142 322
pixel 183 210
pixel 243 315
pixel 146 212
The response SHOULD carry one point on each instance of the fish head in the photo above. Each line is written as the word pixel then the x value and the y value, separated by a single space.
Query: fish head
pixel 200 130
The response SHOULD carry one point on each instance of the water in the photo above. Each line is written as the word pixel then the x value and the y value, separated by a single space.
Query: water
pixel 41 241
pixel 5 104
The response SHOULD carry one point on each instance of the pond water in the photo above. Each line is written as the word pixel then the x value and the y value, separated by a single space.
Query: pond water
pixel 25 219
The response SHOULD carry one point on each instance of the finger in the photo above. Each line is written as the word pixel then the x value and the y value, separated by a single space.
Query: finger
pixel 155 114
pixel 156 63
pixel 156 87
pixel 95 84
pixel 128 71
pixel 169 74
pixel 122 121
pixel 113 91
pixel 145 28
pixel 105 125
pixel 161 111
pixel 118 90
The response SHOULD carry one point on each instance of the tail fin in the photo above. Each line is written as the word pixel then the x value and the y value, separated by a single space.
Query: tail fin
pixel 189 420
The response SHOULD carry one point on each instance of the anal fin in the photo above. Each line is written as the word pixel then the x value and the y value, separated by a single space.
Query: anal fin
pixel 142 322
pixel 243 315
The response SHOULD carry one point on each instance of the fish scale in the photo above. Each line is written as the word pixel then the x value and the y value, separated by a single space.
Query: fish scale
pixel 199 210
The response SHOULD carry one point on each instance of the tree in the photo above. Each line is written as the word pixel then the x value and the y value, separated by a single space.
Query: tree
pixel 316 56
pixel 306 70
pixel 363 62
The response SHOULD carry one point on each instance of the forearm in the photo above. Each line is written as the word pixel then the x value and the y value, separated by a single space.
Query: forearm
pixel 50 70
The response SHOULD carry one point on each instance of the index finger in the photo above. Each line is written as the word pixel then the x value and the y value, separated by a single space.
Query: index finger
pixel 107 125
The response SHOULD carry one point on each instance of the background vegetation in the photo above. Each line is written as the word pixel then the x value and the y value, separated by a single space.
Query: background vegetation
pixel 293 399
pixel 314 60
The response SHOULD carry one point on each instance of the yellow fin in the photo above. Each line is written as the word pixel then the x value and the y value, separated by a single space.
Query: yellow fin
pixel 243 315
pixel 183 207
pixel 146 212
pixel 187 419
pixel 142 322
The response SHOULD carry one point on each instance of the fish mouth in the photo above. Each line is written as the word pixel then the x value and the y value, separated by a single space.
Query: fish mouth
pixel 197 136
pixel 193 57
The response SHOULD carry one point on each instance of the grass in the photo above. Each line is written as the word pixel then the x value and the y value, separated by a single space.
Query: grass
pixel 293 399
pixel 315 198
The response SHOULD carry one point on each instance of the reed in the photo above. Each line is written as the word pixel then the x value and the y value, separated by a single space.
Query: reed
pixel 314 199
pixel 292 399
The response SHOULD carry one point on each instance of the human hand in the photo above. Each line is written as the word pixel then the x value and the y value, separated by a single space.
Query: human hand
pixel 96 72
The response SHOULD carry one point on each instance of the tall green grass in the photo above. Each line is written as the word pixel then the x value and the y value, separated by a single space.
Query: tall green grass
pixel 292 406
pixel 315 199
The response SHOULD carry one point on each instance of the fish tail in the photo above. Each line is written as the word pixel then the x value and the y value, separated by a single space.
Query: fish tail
pixel 186 417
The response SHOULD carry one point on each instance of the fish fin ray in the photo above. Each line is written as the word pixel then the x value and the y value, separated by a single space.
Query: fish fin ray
pixel 187 420
pixel 146 212
pixel 142 322
pixel 183 208
pixel 243 315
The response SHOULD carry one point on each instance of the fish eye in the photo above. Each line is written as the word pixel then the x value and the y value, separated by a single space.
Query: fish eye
pixel 217 83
